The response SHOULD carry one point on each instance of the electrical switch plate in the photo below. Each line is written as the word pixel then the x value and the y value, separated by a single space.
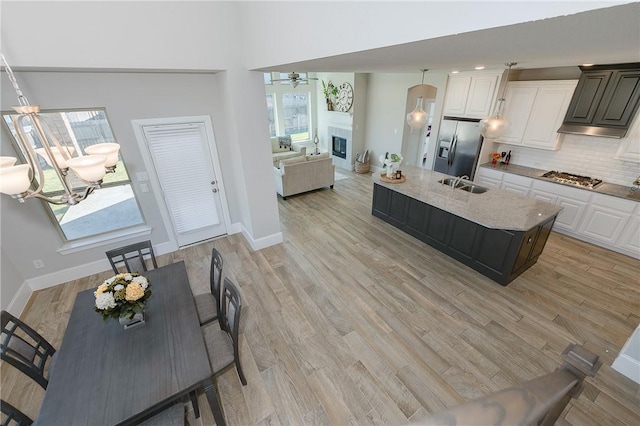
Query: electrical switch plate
pixel 38 263
pixel 144 187
pixel 142 176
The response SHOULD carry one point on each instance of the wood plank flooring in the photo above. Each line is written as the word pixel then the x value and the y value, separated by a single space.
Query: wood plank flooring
pixel 351 321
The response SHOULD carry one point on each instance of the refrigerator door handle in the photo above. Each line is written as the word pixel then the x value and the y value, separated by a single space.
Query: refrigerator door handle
pixel 452 150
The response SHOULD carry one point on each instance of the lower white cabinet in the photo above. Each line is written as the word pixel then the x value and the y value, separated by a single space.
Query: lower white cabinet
pixel 606 218
pixel 629 239
pixel 516 184
pixel 573 201
pixel 488 177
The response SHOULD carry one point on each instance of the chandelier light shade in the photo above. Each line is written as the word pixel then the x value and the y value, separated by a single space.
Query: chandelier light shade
pixel 417 118
pixel 18 180
pixel 495 125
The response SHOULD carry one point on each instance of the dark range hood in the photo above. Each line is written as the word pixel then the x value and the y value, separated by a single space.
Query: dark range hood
pixel 605 101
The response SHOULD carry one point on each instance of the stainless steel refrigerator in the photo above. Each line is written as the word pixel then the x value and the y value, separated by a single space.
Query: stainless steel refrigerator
pixel 459 142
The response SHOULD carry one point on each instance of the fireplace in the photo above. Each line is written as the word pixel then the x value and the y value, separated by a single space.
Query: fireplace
pixel 339 146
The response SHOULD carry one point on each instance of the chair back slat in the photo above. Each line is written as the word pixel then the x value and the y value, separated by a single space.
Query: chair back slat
pixel 24 348
pixel 13 416
pixel 133 257
pixel 216 277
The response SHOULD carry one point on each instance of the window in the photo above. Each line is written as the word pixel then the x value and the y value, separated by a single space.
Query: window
pixel 289 109
pixel 110 208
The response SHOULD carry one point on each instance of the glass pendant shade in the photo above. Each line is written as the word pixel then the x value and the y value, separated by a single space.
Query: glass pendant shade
pixel 417 118
pixel 58 156
pixel 110 150
pixel 7 161
pixel 494 126
pixel 89 168
pixel 14 180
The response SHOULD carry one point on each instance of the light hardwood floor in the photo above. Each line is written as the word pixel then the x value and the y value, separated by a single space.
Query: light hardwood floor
pixel 351 321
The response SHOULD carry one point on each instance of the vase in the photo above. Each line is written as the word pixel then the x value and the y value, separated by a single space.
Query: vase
pixel 137 320
pixel 391 170
pixel 329 105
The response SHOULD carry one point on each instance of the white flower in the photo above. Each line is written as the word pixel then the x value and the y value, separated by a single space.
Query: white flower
pixel 128 277
pixel 142 281
pixel 105 301
pixel 118 287
pixel 394 159
pixel 110 280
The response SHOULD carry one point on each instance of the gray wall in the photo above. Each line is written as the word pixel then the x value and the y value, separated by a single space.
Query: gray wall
pixel 27 233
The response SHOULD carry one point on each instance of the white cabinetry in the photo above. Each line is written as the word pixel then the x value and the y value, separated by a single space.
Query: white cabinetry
pixel 574 202
pixel 536 110
pixel 606 218
pixel 629 239
pixel 516 184
pixel 471 94
pixel 488 177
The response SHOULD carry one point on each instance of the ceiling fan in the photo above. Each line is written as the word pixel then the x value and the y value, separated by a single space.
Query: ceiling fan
pixel 294 79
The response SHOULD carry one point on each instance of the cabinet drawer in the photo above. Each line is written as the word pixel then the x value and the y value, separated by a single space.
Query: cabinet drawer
pixel 517 179
pixel 490 173
pixel 615 203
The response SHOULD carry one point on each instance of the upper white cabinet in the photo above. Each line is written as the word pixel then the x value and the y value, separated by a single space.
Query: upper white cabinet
pixel 471 94
pixel 536 110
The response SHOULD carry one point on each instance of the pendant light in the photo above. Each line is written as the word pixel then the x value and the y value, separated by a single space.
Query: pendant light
pixel 417 118
pixel 494 126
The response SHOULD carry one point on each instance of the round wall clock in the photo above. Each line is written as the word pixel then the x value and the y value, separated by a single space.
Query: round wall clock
pixel 344 98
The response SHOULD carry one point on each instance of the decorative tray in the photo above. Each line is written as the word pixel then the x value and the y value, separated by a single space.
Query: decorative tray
pixel 384 178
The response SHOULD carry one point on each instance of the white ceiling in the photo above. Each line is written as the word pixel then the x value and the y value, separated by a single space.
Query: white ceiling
pixel 602 36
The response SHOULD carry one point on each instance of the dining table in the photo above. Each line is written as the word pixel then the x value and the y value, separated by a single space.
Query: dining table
pixel 105 374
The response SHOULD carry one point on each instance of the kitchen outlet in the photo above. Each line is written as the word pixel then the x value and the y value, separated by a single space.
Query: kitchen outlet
pixel 142 176
pixel 144 187
pixel 38 263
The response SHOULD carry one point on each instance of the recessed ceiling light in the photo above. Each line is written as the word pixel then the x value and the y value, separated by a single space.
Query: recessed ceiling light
pixel 587 65
pixel 481 67
pixel 455 72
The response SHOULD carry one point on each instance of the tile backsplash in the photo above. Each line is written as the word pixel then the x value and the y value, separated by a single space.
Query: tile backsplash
pixel 579 154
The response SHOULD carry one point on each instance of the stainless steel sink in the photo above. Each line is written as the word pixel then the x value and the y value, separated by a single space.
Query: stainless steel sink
pixel 450 182
pixel 474 189
pixel 463 185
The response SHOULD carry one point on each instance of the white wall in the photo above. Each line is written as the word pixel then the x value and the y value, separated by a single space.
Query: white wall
pixel 326 28
pixel 11 280
pixel 386 116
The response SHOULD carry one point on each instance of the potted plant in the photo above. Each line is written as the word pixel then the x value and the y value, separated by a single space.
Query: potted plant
pixel 329 90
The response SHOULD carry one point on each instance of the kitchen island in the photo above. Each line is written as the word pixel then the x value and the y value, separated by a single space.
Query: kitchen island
pixel 497 233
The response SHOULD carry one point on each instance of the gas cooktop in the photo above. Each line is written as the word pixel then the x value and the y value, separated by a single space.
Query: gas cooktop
pixel 571 179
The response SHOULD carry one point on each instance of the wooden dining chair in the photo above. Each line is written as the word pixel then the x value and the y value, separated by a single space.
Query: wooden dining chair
pixel 12 416
pixel 222 343
pixel 208 304
pixel 25 349
pixel 133 256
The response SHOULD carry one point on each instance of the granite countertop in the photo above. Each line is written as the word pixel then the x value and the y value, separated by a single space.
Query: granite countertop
pixel 496 209
pixel 606 188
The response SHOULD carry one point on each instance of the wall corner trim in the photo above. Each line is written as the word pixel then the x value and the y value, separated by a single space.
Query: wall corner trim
pixel 264 242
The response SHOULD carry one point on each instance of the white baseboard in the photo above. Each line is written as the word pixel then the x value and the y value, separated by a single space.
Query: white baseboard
pixel 628 361
pixel 20 299
pixel 264 242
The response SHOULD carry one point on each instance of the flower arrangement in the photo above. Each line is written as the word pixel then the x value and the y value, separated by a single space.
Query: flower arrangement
pixel 122 296
pixel 329 90
pixel 495 156
pixel 390 160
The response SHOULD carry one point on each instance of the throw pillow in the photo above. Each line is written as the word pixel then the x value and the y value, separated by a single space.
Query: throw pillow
pixel 285 142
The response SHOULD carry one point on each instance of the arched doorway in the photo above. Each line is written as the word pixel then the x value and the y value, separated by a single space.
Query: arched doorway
pixel 416 142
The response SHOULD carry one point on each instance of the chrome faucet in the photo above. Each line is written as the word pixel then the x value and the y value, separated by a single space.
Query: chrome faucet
pixel 460 179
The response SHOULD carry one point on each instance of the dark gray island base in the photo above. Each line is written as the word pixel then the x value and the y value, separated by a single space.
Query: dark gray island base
pixel 500 254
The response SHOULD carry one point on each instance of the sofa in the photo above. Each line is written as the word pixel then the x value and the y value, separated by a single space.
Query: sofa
pixel 282 148
pixel 304 173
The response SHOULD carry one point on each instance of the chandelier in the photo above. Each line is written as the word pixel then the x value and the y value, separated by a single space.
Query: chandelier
pixel 495 125
pixel 417 118
pixel 18 180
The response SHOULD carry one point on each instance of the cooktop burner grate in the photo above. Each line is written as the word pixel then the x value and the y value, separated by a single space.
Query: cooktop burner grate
pixel 571 179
